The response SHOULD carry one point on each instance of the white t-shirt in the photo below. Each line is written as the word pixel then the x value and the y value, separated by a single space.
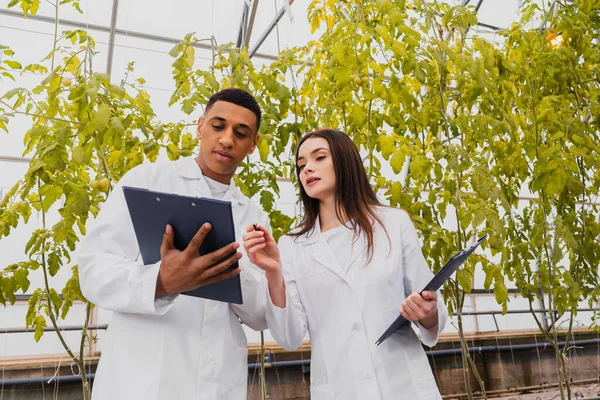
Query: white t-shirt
pixel 341 242
pixel 217 189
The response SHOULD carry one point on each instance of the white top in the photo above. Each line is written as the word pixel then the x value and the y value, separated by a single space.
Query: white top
pixel 217 188
pixel 345 312
pixel 176 347
pixel 341 237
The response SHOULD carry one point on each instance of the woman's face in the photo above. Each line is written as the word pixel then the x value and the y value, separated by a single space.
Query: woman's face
pixel 317 173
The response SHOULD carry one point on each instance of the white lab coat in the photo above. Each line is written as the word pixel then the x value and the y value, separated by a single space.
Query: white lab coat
pixel 346 312
pixel 179 347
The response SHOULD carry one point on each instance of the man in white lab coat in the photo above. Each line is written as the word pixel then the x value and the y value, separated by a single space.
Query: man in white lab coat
pixel 161 345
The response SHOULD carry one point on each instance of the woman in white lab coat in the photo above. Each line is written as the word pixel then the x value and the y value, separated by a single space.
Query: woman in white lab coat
pixel 343 275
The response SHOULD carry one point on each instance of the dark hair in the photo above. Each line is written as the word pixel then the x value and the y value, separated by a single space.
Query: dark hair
pixel 354 196
pixel 238 97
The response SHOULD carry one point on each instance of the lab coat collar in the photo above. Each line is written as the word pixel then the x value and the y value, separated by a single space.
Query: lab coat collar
pixel 312 236
pixel 188 168
pixel 323 254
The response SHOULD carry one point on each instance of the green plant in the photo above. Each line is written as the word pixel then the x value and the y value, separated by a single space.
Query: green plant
pixel 465 126
pixel 551 101
pixel 86 133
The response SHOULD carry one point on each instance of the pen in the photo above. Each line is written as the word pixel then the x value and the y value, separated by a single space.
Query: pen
pixel 255 226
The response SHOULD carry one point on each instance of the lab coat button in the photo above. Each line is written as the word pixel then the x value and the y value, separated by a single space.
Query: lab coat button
pixel 356 326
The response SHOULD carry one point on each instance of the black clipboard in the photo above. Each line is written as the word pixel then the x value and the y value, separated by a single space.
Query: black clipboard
pixel 434 284
pixel 150 213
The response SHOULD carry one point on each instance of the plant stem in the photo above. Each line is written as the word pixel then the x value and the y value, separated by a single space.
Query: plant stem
pixel 56 4
pixel 84 333
pixel 263 383
pixel 48 299
pixel 464 350
pixel 40 116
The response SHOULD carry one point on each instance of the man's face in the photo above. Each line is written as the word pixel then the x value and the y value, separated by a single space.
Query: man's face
pixel 227 133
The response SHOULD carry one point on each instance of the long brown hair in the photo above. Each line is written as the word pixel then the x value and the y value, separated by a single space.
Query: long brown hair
pixel 355 199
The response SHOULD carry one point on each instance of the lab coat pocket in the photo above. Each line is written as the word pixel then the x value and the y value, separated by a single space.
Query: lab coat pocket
pixel 423 379
pixel 321 392
pixel 212 383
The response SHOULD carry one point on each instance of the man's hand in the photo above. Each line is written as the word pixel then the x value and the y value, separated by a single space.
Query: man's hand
pixel 187 270
pixel 421 308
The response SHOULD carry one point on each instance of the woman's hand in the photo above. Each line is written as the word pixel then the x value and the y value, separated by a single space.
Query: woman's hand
pixel 421 308
pixel 262 250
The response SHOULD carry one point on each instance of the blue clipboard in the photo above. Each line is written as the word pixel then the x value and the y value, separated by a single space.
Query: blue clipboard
pixel 436 282
pixel 150 213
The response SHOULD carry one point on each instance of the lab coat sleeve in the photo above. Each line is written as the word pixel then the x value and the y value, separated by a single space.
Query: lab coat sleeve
pixel 111 272
pixel 252 311
pixel 288 325
pixel 416 275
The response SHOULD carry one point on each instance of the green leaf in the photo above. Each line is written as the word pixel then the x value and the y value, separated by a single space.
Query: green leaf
pixel 280 223
pixel 117 125
pixel 35 5
pixel 56 301
pixel 263 149
pixel 464 279
pixel 2 297
pixel 23 208
pixel 35 202
pixel 396 193
pixel 32 308
pixel 40 324
pixel 8 75
pixel 79 155
pixel 500 290
pixel 8 288
pixel 11 93
pixel 35 238
pixel 50 194
pixel 387 146
pixel 117 91
pixel 399 48
pixel 420 166
pixel 212 82
pixel 21 279
pixel 54 263
pixel 267 199
pixel 383 32
pixel 337 49
pixel 13 64
pixel 189 56
pixel 178 48
pixel 102 115
pixel 397 161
